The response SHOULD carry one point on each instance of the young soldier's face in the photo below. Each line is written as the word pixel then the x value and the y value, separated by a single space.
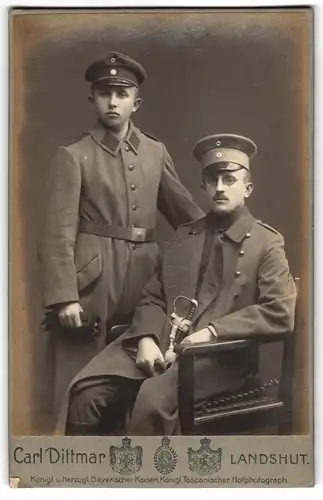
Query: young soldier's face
pixel 114 105
pixel 227 191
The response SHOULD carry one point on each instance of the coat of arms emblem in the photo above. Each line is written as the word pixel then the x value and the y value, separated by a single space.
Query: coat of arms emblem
pixel 165 457
pixel 204 460
pixel 126 460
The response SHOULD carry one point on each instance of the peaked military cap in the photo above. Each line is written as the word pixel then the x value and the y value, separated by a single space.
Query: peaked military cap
pixel 116 69
pixel 228 148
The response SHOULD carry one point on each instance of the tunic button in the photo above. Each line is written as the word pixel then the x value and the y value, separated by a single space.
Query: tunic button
pixel 134 246
pixel 236 295
pixel 134 207
pixel 248 235
pixel 241 253
pixel 127 148
pixel 133 187
pixel 237 274
pixel 131 167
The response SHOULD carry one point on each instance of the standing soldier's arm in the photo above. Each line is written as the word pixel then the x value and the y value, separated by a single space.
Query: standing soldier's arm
pixel 143 338
pixel 174 200
pixel 150 314
pixel 58 273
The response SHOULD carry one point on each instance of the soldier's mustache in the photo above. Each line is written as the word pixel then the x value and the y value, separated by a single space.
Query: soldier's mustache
pixel 217 198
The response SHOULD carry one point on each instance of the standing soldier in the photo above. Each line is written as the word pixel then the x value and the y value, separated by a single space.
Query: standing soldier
pixel 98 251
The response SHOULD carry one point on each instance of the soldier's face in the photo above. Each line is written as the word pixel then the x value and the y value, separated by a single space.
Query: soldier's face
pixel 227 191
pixel 114 105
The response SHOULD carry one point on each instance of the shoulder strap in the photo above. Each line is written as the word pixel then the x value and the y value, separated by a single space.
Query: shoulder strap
pixel 76 139
pixel 267 226
pixel 151 137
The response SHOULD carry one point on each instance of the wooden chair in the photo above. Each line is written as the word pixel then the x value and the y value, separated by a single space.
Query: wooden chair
pixel 259 407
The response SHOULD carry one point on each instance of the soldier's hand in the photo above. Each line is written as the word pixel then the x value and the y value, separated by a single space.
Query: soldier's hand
pixel 148 353
pixel 69 315
pixel 204 335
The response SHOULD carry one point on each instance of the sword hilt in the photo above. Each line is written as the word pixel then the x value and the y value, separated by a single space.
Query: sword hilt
pixel 180 327
pixel 193 310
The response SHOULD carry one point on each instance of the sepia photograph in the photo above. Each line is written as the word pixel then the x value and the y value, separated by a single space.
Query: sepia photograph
pixel 161 170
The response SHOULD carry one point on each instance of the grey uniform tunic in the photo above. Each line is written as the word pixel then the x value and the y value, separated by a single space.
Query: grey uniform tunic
pixel 117 183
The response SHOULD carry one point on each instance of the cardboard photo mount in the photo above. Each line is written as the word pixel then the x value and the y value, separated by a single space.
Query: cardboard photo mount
pixel 240 71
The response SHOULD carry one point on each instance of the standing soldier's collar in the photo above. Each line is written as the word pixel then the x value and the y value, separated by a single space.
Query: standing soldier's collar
pixel 133 138
pixel 111 143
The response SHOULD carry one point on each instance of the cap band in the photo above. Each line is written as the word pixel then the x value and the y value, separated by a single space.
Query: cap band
pixel 225 155
pixel 115 73
pixel 113 81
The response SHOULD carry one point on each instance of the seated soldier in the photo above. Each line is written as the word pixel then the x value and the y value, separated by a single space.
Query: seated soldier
pixel 234 266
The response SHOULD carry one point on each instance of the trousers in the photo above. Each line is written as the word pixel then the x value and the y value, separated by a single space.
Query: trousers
pixel 99 407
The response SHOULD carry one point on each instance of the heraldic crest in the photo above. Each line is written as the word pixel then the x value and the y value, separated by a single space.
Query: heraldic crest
pixel 165 457
pixel 204 460
pixel 126 460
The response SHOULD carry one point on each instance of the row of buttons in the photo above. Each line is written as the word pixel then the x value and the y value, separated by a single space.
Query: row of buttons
pixel 238 273
pixel 133 188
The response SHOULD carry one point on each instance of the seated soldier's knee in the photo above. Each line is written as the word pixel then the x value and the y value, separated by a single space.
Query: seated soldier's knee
pixel 85 406
pixel 149 403
pixel 154 413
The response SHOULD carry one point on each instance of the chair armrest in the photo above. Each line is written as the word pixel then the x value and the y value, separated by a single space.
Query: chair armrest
pixel 186 361
pixel 226 345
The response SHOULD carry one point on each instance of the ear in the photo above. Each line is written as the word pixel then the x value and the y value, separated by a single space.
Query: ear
pixel 137 104
pixel 249 189
pixel 90 98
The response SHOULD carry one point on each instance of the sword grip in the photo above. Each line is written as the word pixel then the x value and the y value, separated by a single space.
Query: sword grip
pixel 192 311
pixel 182 331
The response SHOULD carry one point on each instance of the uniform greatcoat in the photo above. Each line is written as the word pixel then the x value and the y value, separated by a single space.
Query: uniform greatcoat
pixel 256 295
pixel 102 180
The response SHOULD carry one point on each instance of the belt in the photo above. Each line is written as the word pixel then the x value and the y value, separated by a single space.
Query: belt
pixel 134 234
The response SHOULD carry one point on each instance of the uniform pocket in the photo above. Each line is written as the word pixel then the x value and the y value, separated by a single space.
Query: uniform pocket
pixel 89 272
